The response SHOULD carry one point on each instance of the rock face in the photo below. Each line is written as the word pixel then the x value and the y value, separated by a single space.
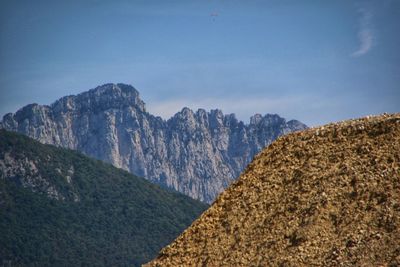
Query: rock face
pixel 196 153
pixel 328 196
pixel 25 172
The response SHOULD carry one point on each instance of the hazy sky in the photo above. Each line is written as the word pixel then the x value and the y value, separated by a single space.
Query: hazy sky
pixel 316 61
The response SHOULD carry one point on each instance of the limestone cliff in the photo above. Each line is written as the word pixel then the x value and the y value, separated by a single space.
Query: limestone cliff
pixel 197 153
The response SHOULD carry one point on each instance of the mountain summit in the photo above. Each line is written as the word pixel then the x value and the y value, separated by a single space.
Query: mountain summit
pixel 328 196
pixel 197 153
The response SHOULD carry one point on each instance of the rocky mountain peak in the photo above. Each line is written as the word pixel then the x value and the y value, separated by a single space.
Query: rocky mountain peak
pixel 101 98
pixel 197 153
pixel 255 119
pixel 185 113
pixel 216 118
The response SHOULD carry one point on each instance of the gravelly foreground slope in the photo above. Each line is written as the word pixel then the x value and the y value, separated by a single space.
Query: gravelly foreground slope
pixel 328 196
pixel 196 153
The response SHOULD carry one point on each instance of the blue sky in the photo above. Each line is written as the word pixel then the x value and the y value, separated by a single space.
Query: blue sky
pixel 316 61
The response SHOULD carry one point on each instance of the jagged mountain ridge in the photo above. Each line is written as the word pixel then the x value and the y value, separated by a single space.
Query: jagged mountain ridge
pixel 196 153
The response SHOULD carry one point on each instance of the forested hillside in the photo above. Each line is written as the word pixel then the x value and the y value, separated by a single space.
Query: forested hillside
pixel 59 207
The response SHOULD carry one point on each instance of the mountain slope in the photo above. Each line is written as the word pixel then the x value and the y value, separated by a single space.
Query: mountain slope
pixel 196 153
pixel 328 196
pixel 61 208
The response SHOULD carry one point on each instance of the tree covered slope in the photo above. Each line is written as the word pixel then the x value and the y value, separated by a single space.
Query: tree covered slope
pixel 59 207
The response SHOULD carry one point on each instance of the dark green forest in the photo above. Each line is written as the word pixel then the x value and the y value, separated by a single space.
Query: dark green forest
pixel 104 216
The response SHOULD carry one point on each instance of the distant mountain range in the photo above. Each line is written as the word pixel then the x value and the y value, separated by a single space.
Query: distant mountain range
pixel 197 153
pixel 61 208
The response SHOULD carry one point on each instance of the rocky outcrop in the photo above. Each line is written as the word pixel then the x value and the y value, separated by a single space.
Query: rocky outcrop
pixel 25 172
pixel 197 153
pixel 328 196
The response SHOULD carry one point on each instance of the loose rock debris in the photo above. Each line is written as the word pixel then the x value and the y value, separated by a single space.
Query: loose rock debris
pixel 326 196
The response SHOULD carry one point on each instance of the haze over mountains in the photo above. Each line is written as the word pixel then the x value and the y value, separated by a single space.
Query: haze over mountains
pixel 197 153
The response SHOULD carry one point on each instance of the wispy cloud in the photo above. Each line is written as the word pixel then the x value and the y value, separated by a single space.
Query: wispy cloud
pixel 365 34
